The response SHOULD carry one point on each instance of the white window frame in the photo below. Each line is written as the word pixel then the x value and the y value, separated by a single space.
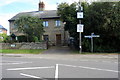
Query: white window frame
pixel 45 23
pixel 57 23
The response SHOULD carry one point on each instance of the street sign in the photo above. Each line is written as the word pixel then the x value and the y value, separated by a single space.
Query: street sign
pixel 79 14
pixel 91 36
pixel 80 27
pixel 95 35
pixel 88 36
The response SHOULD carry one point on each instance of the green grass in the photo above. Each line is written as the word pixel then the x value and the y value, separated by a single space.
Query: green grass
pixel 22 51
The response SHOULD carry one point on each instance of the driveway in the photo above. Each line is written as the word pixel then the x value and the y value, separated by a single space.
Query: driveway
pixel 58 50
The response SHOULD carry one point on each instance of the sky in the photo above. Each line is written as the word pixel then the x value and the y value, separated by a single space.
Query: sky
pixel 9 8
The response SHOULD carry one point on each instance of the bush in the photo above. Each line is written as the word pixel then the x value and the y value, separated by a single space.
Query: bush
pixel 22 38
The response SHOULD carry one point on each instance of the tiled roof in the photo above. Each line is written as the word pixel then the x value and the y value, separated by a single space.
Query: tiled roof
pixel 1 27
pixel 40 14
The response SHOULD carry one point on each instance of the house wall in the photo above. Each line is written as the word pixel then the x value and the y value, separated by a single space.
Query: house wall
pixel 51 31
pixel 3 31
pixel 13 29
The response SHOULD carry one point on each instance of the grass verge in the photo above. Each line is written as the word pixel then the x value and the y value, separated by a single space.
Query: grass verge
pixel 85 53
pixel 22 51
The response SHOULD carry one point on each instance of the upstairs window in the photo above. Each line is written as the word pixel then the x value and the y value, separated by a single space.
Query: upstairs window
pixel 57 23
pixel 45 23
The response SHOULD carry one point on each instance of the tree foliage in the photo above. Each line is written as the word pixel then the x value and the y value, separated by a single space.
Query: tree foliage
pixel 102 18
pixel 32 27
pixel 3 37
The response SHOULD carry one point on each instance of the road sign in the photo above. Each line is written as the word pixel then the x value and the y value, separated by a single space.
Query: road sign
pixel 95 35
pixel 80 27
pixel 91 36
pixel 79 14
pixel 88 36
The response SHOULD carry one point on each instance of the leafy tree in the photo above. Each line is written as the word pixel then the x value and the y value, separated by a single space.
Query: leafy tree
pixel 32 27
pixel 102 19
pixel 3 37
pixel 68 14
pixel 99 17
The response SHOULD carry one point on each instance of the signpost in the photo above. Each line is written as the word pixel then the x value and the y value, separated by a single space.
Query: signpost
pixel 91 36
pixel 80 26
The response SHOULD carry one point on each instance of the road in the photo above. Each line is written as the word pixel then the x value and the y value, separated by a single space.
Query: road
pixel 60 66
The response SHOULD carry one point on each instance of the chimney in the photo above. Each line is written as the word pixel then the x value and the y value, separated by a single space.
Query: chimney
pixel 41 6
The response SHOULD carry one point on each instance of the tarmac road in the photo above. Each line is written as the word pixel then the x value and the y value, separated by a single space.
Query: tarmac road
pixel 46 67
pixel 60 63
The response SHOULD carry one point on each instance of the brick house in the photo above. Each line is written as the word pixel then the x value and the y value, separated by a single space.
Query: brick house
pixel 54 28
pixel 2 30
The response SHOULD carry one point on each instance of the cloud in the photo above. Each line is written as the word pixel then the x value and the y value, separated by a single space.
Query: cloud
pixel 6 2
pixel 4 20
pixel 4 17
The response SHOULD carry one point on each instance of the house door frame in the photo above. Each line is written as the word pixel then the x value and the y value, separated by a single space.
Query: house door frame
pixel 58 39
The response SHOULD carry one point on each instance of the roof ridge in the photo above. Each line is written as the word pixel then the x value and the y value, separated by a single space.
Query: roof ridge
pixel 40 14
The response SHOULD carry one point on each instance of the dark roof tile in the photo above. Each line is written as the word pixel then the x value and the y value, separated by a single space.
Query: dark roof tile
pixel 40 14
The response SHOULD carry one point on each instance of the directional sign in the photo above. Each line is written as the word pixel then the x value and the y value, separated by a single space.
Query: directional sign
pixel 95 35
pixel 79 14
pixel 80 27
pixel 91 36
pixel 88 36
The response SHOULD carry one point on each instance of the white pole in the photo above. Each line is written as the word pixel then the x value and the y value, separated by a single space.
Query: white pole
pixel 80 46
pixel 56 72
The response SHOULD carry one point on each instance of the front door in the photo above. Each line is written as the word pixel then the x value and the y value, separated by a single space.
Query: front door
pixel 58 39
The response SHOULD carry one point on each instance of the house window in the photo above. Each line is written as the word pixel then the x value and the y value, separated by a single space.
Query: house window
pixel 45 23
pixel 57 23
pixel 46 37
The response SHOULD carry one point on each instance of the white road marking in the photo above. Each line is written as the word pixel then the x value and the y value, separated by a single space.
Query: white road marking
pixel 31 68
pixel 56 72
pixel 15 63
pixel 31 76
pixel 10 61
pixel 89 68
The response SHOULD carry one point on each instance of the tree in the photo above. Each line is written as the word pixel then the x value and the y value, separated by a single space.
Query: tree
pixel 3 37
pixel 102 18
pixel 99 17
pixel 68 14
pixel 32 27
